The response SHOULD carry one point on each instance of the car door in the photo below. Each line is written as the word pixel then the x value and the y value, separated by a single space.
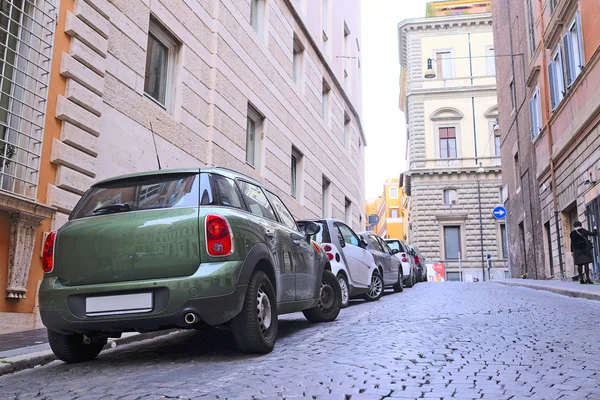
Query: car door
pixel 382 257
pixel 277 236
pixel 358 260
pixel 305 256
pixel 391 260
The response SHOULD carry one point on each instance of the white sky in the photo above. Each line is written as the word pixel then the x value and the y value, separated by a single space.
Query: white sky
pixel 383 122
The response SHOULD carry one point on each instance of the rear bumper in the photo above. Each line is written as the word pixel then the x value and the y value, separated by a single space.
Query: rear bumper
pixel 406 270
pixel 212 294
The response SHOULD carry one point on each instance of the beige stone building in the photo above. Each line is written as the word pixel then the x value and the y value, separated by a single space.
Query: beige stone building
pixel 271 88
pixel 448 93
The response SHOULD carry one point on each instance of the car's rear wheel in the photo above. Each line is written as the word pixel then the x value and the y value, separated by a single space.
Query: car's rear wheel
pixel 329 301
pixel 345 290
pixel 73 348
pixel 399 286
pixel 255 328
pixel 376 289
pixel 410 281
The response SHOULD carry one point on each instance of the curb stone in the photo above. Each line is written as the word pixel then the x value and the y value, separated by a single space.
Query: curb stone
pixel 561 291
pixel 33 360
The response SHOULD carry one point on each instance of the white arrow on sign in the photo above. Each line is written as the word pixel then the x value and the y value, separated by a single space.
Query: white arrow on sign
pixel 499 213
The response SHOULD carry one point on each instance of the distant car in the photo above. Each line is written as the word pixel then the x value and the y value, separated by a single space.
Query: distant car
pixel 180 249
pixel 389 266
pixel 420 264
pixel 351 263
pixel 408 264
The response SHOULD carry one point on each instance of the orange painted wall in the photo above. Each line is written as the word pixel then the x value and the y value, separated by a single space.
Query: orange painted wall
pixel 590 26
pixel 47 175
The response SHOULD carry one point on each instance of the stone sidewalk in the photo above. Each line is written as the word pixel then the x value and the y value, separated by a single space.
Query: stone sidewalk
pixel 565 288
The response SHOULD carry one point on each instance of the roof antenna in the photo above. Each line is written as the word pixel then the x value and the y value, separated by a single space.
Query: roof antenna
pixel 155 148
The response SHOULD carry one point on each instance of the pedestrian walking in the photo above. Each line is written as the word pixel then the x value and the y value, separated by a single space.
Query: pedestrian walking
pixel 582 250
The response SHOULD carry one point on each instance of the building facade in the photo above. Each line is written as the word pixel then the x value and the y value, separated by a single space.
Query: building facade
pixel 269 88
pixel 560 42
pixel 390 211
pixel 448 94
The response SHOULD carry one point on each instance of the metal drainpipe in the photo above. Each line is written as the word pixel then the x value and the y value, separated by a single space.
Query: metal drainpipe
pixel 549 136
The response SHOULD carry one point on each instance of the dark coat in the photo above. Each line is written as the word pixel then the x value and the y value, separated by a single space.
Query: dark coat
pixel 579 239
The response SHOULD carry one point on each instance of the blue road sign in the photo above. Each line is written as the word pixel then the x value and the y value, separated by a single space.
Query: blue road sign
pixel 499 212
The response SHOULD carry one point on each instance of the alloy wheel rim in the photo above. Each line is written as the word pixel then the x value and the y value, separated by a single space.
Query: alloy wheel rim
pixel 264 310
pixel 327 299
pixel 376 286
pixel 344 288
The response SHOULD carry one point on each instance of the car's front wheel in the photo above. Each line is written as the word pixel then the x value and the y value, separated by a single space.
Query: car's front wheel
pixel 255 328
pixel 345 290
pixel 330 300
pixel 74 348
pixel 376 289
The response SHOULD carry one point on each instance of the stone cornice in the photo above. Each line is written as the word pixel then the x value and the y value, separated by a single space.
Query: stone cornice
pixel 436 23
pixel 17 204
pixel 450 90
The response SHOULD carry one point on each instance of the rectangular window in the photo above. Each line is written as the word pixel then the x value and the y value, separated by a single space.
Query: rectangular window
pixel 296 171
pixel 447 142
pixel 298 59
pixel 513 94
pixel 346 130
pixel 161 58
pixel 490 61
pixel 504 239
pixel 452 242
pixel 497 142
pixel 325 94
pixel 549 243
pixel 556 77
pixel 257 13
pixel 535 112
pixel 393 213
pixel 347 54
pixel 450 197
pixel 325 197
pixel 517 168
pixel 394 193
pixel 253 136
pixel 348 211
pixel 530 27
pixel 573 44
pixel 552 5
pixel 443 64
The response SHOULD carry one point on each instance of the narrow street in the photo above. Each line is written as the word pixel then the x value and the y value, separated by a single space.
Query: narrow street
pixel 452 340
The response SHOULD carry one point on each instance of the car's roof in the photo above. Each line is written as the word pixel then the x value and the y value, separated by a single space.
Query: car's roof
pixel 229 173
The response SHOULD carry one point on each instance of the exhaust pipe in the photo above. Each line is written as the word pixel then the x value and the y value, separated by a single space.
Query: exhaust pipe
pixel 191 318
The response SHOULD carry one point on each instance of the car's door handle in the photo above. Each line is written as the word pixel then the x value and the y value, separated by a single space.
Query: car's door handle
pixel 270 234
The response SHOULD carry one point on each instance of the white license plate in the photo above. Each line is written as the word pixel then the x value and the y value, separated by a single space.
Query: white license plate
pixel 120 304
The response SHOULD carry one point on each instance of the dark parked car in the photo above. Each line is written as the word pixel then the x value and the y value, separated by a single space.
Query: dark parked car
pixel 419 263
pixel 180 248
pixel 385 259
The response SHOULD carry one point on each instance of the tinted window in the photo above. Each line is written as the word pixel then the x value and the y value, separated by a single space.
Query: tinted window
pixel 206 195
pixel 348 234
pixel 229 194
pixel 375 243
pixel 322 236
pixel 284 215
pixel 256 200
pixel 143 193
pixel 384 246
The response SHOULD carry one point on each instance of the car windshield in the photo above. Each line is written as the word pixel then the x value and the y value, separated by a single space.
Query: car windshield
pixel 162 191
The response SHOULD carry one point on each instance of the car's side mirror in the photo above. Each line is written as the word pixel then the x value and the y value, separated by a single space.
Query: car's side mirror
pixel 395 251
pixel 363 243
pixel 311 228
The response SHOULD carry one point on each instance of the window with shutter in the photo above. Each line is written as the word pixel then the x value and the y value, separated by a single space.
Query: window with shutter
pixel 552 85
pixel 569 62
pixel 579 39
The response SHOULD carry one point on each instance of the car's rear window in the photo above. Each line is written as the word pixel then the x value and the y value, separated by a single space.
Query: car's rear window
pixel 395 245
pixel 322 236
pixel 144 193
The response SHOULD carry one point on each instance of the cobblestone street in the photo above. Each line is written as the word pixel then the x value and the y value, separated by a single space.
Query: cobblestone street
pixel 452 340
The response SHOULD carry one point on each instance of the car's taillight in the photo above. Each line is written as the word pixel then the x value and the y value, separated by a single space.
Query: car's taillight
pixel 327 248
pixel 48 253
pixel 417 260
pixel 330 256
pixel 404 259
pixel 218 236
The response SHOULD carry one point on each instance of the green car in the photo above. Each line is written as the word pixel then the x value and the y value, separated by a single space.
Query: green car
pixel 184 248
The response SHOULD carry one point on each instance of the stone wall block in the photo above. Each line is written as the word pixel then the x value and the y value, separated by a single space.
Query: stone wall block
pixel 83 97
pixel 78 138
pixel 71 180
pixel 75 27
pixel 71 68
pixel 63 154
pixel 88 57
pixel 102 6
pixel 66 110
pixel 92 18
pixel 63 200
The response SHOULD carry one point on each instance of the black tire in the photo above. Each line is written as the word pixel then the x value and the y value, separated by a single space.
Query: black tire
pixel 253 332
pixel 410 281
pixel 377 294
pixel 330 301
pixel 342 280
pixel 71 349
pixel 399 286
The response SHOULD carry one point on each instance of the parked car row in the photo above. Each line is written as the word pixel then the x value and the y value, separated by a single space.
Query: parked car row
pixel 196 248
pixel 412 261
